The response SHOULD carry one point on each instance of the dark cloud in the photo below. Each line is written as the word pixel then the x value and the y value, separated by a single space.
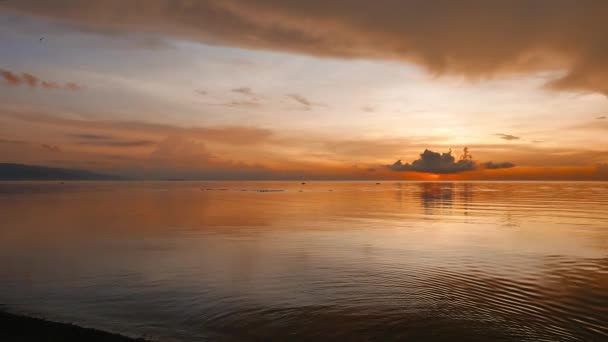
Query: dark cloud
pixel 14 79
pixel 435 162
pixel 602 117
pixel 201 92
pixel 506 136
pixel 474 38
pixel 446 163
pixel 494 166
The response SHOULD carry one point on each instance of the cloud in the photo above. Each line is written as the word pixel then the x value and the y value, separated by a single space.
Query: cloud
pixel 507 136
pixel 602 117
pixel 241 103
pixel 228 135
pixel 244 90
pixel 31 80
pixel 14 79
pixel 252 99
pixel 446 163
pixel 52 148
pixel 92 136
pixel 10 78
pixel 119 143
pixel 306 103
pixel 435 162
pixel 50 85
pixel 368 109
pixel 473 38
pixel 201 92
pixel 11 141
pixel 111 141
pixel 494 166
pixel 73 86
pixel 300 99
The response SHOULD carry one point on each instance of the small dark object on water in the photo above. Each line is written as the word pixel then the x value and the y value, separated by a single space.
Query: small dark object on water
pixel 303 183
pixel 377 183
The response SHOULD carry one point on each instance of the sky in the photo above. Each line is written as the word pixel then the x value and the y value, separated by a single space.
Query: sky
pixel 287 89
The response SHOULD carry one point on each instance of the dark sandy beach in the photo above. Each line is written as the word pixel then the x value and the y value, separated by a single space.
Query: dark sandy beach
pixel 17 328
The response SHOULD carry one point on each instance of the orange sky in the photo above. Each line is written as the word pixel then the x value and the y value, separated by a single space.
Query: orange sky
pixel 271 89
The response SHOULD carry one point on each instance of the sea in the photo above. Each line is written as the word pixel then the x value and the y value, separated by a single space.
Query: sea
pixel 310 260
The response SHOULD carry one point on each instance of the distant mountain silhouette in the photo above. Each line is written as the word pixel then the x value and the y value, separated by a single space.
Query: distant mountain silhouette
pixel 31 172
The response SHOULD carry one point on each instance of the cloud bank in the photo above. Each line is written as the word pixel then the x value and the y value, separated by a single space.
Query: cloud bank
pixel 445 163
pixel 435 162
pixel 473 38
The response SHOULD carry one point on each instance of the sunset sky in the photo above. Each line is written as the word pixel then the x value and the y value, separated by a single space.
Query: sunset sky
pixel 286 89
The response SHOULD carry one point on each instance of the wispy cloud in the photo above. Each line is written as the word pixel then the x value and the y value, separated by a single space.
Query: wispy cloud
pixel 109 140
pixel 244 91
pixel 17 79
pixel 52 148
pixel 91 136
pixel 368 109
pixel 305 102
pixel 494 166
pixel 507 136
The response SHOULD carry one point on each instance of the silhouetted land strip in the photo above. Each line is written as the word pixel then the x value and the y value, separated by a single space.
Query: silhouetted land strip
pixel 32 172
pixel 17 328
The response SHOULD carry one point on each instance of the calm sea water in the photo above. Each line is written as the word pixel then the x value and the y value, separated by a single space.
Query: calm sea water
pixel 345 261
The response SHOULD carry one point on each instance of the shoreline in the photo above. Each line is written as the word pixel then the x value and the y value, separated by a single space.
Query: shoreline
pixel 20 328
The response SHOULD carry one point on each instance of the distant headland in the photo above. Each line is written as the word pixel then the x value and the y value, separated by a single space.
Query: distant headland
pixel 9 171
